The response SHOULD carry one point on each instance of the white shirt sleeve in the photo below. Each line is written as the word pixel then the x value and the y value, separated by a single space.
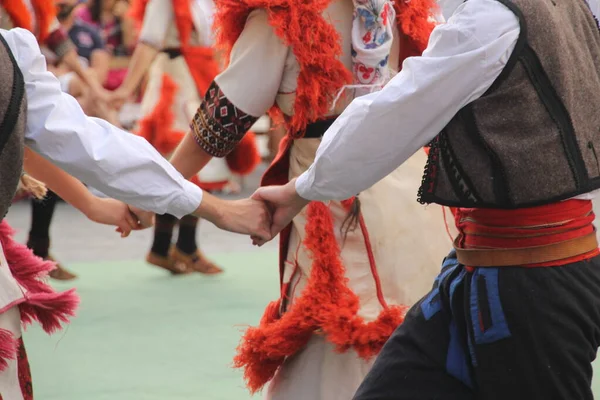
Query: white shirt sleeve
pixel 117 163
pixel 379 131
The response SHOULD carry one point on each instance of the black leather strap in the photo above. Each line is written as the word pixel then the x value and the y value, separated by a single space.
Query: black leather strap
pixel 316 130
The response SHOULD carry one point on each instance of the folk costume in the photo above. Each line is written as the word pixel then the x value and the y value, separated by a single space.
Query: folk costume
pixel 34 111
pixel 345 284
pixel 511 89
pixel 178 77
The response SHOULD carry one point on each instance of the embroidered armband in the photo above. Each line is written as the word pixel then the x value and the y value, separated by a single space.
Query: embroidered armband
pixel 218 125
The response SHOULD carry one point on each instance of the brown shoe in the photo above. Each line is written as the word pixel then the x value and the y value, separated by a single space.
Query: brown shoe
pixel 60 273
pixel 167 263
pixel 194 262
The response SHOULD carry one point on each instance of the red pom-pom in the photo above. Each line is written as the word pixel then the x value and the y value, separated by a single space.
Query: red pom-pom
pixel 245 157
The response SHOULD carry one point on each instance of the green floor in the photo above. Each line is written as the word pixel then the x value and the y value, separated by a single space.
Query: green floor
pixel 143 335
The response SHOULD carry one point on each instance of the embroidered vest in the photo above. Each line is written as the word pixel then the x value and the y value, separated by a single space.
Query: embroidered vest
pixel 13 111
pixel 534 137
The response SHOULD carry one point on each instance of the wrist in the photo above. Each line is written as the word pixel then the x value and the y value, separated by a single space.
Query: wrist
pixel 297 200
pixel 210 208
pixel 88 205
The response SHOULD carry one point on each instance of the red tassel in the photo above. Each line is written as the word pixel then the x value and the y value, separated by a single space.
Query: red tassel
pixel 245 157
pixel 49 309
pixel 157 127
pixel 8 348
pixel 24 266
pixel 42 303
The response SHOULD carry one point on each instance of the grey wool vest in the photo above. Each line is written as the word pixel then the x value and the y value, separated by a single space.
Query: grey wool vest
pixel 13 111
pixel 534 137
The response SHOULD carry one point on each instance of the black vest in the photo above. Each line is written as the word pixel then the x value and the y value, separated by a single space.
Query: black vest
pixel 13 111
pixel 534 137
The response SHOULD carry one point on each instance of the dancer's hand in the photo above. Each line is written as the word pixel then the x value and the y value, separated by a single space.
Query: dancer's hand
pixel 119 97
pixel 284 203
pixel 113 212
pixel 248 217
pixel 100 94
pixel 145 218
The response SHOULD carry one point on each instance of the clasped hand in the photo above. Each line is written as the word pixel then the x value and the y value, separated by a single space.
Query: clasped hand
pixel 263 215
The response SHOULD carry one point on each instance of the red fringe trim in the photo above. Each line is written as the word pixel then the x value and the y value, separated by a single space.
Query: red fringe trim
pixel 202 65
pixel 137 10
pixel 315 42
pixel 327 306
pixel 244 159
pixel 42 303
pixel 316 45
pixel 157 127
pixel 45 12
pixel 183 20
pixel 20 16
pixel 413 20
pixel 18 13
pixel 9 347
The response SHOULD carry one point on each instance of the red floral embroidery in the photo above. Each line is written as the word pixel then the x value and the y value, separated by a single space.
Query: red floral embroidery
pixel 24 372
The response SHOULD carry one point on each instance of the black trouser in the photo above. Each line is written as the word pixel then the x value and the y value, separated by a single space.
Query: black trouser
pixel 496 333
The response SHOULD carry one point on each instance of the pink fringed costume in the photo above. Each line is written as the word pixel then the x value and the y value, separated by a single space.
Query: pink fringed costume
pixel 24 293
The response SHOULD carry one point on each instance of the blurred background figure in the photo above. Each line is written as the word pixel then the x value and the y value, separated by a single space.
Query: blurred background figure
pixel 40 18
pixel 93 55
pixel 175 49
pixel 117 31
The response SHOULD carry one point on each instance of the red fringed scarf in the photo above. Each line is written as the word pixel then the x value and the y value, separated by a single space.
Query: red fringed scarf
pixel 19 14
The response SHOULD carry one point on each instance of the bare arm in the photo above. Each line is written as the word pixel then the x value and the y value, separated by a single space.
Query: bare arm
pixel 71 60
pixel 100 63
pixel 143 56
pixel 104 211
pixel 189 158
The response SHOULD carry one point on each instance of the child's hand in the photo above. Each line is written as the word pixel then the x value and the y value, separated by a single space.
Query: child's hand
pixel 113 212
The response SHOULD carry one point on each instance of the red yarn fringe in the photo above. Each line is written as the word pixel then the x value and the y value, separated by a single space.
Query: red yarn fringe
pixel 327 305
pixel 42 303
pixel 45 13
pixel 183 20
pixel 315 43
pixel 8 348
pixel 414 22
pixel 50 310
pixel 157 127
pixel 137 10
pixel 19 14
pixel 245 157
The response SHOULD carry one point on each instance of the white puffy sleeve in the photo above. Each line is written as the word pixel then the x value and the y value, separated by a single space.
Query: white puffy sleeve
pixel 113 161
